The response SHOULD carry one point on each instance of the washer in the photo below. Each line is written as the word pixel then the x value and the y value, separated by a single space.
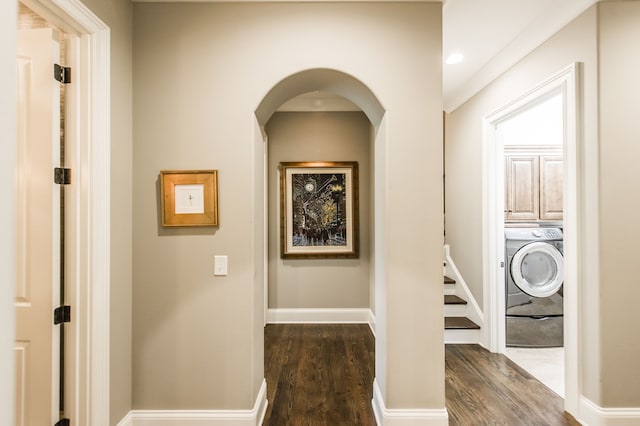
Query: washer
pixel 533 284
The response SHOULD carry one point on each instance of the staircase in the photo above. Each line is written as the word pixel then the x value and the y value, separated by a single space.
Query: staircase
pixel 455 309
pixel 461 318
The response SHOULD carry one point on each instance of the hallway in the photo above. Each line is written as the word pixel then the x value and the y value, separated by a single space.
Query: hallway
pixel 322 374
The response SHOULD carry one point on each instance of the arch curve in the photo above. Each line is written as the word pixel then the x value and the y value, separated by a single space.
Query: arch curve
pixel 323 79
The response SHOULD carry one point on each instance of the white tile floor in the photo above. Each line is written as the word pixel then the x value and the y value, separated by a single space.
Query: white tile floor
pixel 545 364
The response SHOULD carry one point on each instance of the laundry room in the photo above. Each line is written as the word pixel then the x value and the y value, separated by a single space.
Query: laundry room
pixel 533 140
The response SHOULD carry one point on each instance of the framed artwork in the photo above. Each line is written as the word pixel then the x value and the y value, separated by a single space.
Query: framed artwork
pixel 319 210
pixel 189 197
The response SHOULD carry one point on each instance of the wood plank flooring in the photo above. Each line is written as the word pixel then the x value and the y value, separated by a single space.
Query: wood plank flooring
pixel 323 375
pixel 489 389
pixel 319 374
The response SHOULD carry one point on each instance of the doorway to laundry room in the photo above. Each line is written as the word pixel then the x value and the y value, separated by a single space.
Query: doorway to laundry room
pixel 531 231
pixel 533 142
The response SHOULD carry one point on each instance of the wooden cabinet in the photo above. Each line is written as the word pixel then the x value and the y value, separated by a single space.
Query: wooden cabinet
pixel 523 187
pixel 533 187
pixel 551 172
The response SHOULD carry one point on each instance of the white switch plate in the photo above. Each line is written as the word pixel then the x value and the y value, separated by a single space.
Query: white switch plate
pixel 220 265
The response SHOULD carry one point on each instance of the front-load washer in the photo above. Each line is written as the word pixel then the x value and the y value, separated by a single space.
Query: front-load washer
pixel 533 284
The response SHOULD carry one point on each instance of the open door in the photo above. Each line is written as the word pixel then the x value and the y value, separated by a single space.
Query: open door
pixel 37 342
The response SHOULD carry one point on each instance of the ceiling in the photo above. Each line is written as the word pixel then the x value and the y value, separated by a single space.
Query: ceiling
pixel 491 34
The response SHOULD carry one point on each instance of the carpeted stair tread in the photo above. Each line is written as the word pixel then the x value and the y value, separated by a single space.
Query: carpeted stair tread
pixel 448 280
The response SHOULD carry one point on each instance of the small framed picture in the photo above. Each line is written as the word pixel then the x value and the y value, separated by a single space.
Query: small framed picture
pixel 319 210
pixel 189 197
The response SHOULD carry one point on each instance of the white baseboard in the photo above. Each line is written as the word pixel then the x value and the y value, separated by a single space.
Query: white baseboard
pixel 319 315
pixel 462 336
pixel 593 415
pixel 253 417
pixel 406 417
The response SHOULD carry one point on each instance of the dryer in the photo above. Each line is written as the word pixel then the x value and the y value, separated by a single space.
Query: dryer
pixel 533 284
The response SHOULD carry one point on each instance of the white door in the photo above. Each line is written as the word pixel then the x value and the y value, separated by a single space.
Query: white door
pixel 38 213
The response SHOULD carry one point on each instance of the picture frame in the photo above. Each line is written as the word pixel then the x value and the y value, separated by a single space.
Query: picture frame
pixel 189 198
pixel 319 213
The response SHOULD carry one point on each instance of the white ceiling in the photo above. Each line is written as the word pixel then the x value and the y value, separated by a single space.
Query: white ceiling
pixel 492 35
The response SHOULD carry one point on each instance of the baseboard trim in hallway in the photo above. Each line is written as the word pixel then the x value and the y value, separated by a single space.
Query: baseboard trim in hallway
pixel 593 415
pixel 252 417
pixel 321 316
pixel 405 417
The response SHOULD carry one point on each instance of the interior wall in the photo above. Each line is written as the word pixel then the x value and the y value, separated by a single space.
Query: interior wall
pixel 464 133
pixel 200 72
pixel 619 202
pixel 464 146
pixel 318 136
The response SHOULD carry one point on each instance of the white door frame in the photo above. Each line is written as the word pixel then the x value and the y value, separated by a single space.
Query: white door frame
pixel 568 81
pixel 88 153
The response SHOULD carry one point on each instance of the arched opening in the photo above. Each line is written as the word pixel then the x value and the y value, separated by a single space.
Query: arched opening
pixel 353 130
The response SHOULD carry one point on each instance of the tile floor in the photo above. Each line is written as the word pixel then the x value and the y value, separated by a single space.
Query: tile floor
pixel 545 364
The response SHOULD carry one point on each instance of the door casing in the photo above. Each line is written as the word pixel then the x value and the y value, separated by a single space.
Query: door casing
pixel 568 81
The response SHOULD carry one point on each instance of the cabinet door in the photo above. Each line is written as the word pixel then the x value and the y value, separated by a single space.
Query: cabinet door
pixel 551 173
pixel 523 188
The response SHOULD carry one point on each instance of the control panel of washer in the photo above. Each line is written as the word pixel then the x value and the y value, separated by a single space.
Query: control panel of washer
pixel 533 234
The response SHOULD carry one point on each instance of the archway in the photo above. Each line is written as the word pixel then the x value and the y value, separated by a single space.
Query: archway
pixel 346 86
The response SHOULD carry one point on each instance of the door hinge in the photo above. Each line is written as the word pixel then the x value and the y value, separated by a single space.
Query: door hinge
pixel 63 422
pixel 62 74
pixel 62 314
pixel 62 176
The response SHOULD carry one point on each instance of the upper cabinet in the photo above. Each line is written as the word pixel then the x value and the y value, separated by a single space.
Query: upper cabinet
pixel 533 187
pixel 551 172
pixel 523 188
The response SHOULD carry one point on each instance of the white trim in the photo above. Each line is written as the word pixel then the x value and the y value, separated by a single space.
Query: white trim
pixel 93 136
pixel 471 310
pixel 252 417
pixel 568 81
pixel 319 315
pixel 461 289
pixel 372 322
pixel 126 420
pixel 405 417
pixel 462 336
pixel 593 415
pixel 8 218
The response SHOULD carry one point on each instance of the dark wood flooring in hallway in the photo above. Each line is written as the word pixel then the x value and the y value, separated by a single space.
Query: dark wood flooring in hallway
pixel 323 375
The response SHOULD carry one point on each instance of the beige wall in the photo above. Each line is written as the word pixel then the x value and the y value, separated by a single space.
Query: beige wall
pixel 606 171
pixel 619 23
pixel 200 72
pixel 319 136
pixel 118 15
pixel 463 185
pixel 463 162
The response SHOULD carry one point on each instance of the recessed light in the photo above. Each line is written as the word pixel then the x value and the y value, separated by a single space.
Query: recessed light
pixel 454 58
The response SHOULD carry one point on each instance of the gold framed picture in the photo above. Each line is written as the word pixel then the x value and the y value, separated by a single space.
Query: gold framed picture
pixel 189 197
pixel 319 210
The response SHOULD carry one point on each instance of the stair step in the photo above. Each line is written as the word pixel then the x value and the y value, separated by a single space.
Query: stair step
pixel 452 299
pixel 462 323
pixel 448 280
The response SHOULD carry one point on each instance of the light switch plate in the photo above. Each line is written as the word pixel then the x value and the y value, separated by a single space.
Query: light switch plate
pixel 220 266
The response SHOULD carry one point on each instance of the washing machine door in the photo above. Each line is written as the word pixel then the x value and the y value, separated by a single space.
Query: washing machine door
pixel 538 269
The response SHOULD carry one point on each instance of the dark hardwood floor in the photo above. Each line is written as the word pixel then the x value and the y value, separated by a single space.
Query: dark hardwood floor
pixel 323 375
pixel 483 388
pixel 319 374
